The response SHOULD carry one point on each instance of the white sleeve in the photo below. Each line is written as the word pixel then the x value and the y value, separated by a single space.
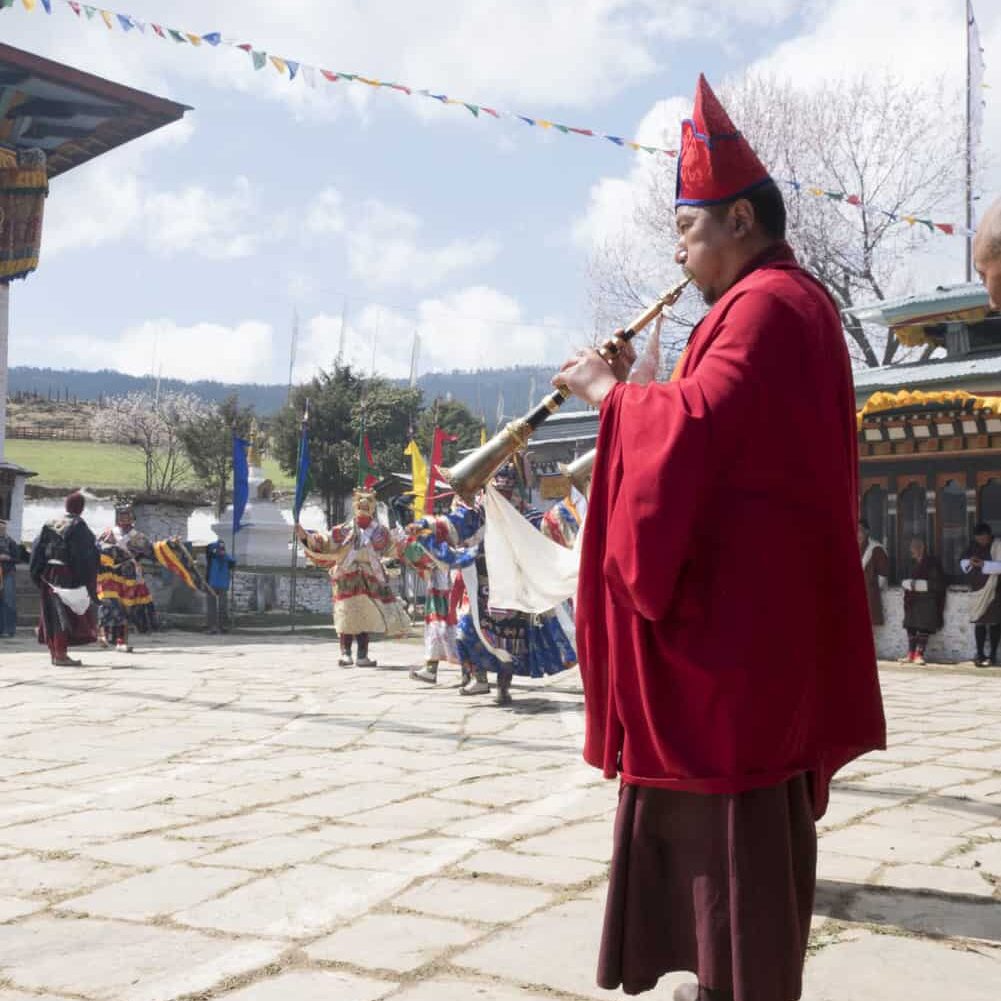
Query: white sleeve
pixel 965 565
pixel 907 584
pixel 992 567
pixel 882 582
pixel 920 585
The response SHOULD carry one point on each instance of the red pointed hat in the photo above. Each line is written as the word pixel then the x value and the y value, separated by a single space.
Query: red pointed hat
pixel 716 163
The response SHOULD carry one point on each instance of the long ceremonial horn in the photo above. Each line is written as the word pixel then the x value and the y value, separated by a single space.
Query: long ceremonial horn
pixel 470 474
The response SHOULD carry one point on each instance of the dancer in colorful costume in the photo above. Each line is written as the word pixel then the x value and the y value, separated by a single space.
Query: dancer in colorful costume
pixel 363 602
pixel 428 557
pixel 64 569
pixel 124 597
pixel 487 638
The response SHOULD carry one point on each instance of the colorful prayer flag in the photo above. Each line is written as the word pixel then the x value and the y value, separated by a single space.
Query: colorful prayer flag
pixel 241 482
pixel 419 475
pixel 367 473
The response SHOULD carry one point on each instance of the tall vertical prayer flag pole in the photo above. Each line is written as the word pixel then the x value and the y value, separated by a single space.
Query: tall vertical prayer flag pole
pixel 302 485
pixel 241 494
pixel 970 23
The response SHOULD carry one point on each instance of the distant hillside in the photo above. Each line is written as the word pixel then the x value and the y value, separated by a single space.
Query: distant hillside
pixel 73 384
pixel 480 391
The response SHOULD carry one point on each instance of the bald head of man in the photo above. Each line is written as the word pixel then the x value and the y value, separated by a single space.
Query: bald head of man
pixel 987 252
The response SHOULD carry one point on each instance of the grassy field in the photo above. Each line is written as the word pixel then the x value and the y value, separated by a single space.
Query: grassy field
pixel 90 464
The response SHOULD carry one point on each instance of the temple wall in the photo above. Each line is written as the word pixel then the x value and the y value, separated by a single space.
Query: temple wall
pixel 952 644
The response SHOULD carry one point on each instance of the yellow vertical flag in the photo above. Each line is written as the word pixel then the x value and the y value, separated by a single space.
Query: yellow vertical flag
pixel 419 471
pixel 483 434
pixel 29 4
pixel 106 15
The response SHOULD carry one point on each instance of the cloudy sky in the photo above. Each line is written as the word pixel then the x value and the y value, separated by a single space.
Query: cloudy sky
pixel 188 251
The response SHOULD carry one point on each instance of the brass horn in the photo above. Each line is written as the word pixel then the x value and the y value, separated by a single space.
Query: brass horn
pixel 578 472
pixel 469 475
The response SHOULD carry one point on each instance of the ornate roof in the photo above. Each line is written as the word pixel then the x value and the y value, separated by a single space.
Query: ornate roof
pixel 71 115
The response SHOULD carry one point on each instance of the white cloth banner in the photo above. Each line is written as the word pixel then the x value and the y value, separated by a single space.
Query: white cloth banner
pixel 76 599
pixel 528 572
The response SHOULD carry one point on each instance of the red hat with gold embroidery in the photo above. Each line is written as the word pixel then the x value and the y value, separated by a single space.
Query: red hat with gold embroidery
pixel 716 163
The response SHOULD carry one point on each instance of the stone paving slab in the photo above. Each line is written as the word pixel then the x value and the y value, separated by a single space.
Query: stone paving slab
pixel 240 820
pixel 113 961
pixel 398 942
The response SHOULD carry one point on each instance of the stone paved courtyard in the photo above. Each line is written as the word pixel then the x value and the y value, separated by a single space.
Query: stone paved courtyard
pixel 241 819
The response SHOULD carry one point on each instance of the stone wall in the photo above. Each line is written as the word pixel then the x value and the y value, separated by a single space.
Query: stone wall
pixel 162 519
pixel 951 644
pixel 264 589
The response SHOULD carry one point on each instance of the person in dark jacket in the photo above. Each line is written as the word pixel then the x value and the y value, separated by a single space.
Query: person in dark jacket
pixel 981 562
pixel 924 600
pixel 11 553
pixel 218 566
pixel 63 560
pixel 876 567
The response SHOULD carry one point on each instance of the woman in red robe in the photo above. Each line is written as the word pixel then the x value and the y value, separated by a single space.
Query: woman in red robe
pixel 723 697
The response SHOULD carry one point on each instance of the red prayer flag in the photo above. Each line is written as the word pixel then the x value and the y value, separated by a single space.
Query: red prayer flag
pixel 853 200
pixel 434 470
pixel 946 227
pixel 331 76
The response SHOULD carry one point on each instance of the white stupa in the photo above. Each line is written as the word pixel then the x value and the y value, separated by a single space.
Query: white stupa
pixel 265 536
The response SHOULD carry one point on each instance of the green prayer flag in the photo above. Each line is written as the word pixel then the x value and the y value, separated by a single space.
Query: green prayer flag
pixel 474 109
pixel 260 59
pixel 176 35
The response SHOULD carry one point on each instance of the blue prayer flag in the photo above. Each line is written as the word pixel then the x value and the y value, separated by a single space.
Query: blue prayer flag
pixel 241 482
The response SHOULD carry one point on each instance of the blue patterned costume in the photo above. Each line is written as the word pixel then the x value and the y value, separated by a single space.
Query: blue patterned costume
pixel 537 644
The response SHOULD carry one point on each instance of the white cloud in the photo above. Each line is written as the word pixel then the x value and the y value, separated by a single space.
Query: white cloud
pixel 110 201
pixel 474 328
pixel 384 250
pixel 240 353
pixel 326 214
pixel 195 220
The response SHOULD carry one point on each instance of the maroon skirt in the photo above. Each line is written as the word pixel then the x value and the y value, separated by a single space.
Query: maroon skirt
pixel 719 885
pixel 55 618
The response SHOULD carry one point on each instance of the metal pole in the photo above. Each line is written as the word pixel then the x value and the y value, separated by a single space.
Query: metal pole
pixel 969 148
pixel 292 583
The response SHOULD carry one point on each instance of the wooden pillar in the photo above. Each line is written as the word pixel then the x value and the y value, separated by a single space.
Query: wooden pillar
pixel 4 330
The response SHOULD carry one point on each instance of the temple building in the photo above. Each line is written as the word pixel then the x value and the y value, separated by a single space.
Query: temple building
pixel 53 118
pixel 930 432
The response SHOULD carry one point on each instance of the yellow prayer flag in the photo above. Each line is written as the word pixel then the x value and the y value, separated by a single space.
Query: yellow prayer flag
pixel 543 124
pixel 106 15
pixel 279 64
pixel 635 146
pixel 419 471
pixel 29 4
pixel 483 435
pixel 816 191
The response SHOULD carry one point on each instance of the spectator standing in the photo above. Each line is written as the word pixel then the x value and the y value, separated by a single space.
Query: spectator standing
pixel 218 570
pixel 982 564
pixel 924 600
pixel 876 566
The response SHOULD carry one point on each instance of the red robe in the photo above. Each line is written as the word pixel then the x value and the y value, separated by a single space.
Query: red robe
pixel 722 613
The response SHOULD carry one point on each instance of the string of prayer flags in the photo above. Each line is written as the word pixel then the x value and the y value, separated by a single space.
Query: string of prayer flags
pixel 293 68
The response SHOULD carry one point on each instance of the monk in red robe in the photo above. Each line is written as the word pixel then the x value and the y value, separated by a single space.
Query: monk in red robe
pixel 722 697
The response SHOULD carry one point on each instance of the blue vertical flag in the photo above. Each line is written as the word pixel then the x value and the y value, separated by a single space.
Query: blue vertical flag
pixel 302 481
pixel 241 482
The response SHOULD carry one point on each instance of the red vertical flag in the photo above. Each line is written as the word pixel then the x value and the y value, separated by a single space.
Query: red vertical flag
pixel 434 470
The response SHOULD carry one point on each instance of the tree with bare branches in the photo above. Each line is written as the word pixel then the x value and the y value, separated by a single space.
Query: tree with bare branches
pixel 883 148
pixel 154 425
